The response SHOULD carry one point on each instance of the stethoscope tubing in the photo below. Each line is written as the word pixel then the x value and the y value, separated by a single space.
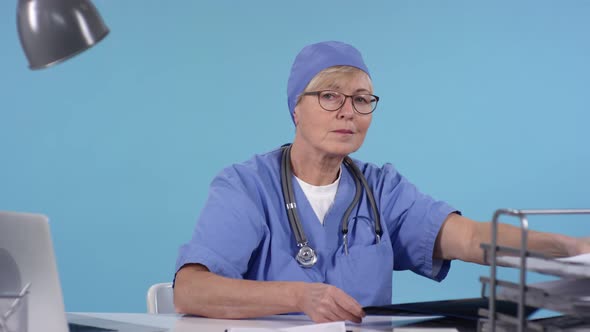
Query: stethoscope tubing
pixel 293 216
pixel 289 197
pixel 370 197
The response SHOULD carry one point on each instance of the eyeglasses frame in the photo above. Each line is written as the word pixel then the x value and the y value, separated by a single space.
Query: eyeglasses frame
pixel 318 93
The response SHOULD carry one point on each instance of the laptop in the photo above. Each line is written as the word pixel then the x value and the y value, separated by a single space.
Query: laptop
pixel 30 291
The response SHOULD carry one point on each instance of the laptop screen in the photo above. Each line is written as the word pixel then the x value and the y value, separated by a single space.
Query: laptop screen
pixel 30 292
pixel 28 260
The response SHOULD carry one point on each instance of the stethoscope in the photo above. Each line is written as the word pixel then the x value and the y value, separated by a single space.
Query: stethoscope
pixel 306 256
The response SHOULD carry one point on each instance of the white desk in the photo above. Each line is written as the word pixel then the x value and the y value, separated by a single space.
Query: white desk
pixel 178 323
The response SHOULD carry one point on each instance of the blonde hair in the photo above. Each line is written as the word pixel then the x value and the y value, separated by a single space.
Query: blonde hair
pixel 328 78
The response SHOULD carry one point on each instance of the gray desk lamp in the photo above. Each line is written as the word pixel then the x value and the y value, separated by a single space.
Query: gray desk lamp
pixel 52 31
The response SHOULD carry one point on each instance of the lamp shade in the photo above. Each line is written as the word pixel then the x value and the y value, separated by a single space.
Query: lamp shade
pixel 52 31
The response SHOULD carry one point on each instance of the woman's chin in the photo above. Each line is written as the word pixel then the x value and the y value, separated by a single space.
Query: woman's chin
pixel 342 149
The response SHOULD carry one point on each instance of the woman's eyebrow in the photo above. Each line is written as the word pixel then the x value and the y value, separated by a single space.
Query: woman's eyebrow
pixel 336 87
pixel 333 86
pixel 362 90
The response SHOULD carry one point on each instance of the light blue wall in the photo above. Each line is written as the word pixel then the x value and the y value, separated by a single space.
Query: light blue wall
pixel 485 104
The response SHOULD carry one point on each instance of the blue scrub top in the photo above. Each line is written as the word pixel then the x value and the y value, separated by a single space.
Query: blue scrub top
pixel 243 231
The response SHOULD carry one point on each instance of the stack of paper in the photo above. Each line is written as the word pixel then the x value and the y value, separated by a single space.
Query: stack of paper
pixel 324 327
pixel 575 266
pixel 370 323
pixel 569 295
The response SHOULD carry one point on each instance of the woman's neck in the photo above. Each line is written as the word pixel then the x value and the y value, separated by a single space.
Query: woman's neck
pixel 314 168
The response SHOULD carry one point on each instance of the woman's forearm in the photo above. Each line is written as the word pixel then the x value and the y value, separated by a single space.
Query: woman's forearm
pixel 548 244
pixel 460 238
pixel 200 292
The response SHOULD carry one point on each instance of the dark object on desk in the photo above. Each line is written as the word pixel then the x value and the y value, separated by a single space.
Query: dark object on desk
pixel 460 308
pixel 84 323
pixel 87 328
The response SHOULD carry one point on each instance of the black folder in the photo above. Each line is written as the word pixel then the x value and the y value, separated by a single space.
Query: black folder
pixel 467 309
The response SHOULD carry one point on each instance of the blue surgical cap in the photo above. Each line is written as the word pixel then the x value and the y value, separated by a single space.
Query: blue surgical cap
pixel 316 57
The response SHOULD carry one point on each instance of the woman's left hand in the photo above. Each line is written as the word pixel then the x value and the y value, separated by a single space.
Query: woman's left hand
pixel 578 246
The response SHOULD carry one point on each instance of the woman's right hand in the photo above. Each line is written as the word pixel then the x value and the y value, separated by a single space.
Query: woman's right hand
pixel 327 303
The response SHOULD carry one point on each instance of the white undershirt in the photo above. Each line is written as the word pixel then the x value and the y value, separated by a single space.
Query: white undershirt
pixel 321 198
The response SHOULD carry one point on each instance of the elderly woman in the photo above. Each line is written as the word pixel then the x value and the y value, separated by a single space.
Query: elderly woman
pixel 304 228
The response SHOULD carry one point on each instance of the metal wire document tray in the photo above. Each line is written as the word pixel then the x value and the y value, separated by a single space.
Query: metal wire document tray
pixel 569 295
pixel 13 311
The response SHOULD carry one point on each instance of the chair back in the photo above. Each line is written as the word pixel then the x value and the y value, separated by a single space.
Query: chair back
pixel 160 299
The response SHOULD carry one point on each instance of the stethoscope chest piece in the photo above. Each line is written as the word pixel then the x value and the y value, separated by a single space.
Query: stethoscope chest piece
pixel 306 257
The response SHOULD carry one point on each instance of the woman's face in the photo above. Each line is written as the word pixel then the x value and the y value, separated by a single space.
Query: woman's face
pixel 335 133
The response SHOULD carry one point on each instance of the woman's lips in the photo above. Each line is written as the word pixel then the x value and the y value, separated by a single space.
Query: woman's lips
pixel 344 131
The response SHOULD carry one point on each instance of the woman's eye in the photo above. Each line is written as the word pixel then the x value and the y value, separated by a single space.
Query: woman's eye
pixel 328 95
pixel 362 99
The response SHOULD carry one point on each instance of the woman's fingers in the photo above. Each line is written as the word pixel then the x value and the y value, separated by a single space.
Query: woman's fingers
pixel 326 303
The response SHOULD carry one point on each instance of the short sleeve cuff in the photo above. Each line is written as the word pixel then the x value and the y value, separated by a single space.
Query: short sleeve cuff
pixel 436 269
pixel 214 262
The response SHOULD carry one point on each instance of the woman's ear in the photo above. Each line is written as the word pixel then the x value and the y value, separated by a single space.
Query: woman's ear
pixel 295 117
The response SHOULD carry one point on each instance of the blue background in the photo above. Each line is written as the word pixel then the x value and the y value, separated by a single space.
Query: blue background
pixel 484 104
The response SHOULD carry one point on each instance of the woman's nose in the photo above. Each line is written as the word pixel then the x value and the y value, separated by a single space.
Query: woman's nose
pixel 347 109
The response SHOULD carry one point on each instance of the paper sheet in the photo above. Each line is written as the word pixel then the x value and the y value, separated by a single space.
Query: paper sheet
pixel 575 266
pixel 563 295
pixel 579 259
pixel 323 327
pixel 576 289
pixel 370 323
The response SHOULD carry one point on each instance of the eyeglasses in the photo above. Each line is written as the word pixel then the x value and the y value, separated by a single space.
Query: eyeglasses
pixel 333 101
